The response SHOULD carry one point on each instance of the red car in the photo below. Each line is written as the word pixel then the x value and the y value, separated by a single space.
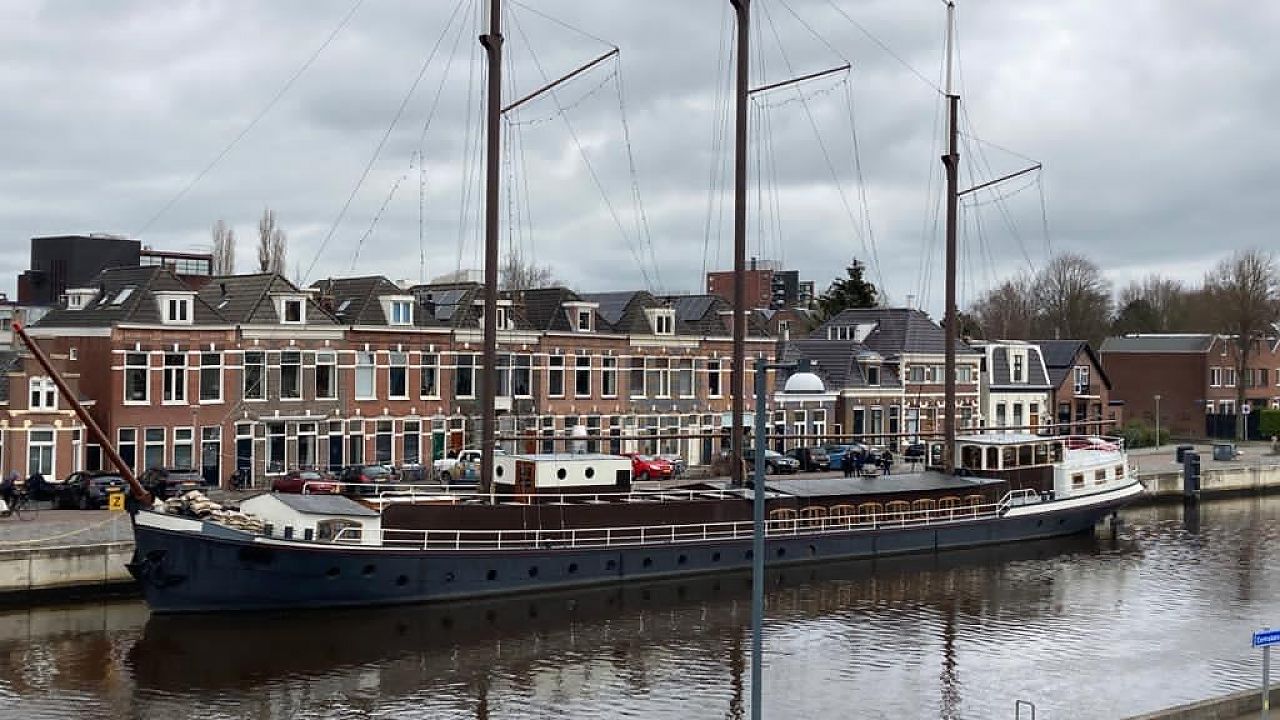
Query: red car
pixel 649 467
pixel 311 482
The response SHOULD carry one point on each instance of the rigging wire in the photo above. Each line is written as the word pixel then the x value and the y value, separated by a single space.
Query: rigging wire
pixel 470 144
pixel 595 177
pixel 382 142
pixel 933 199
pixel 862 186
pixel 642 219
pixel 868 249
pixel 563 24
pixel 422 138
pixel 374 222
pixel 720 114
pixel 885 47
pixel 256 118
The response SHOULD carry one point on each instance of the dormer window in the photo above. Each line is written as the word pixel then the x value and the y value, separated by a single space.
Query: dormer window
pixel 873 375
pixel 291 309
pixel 398 309
pixel 79 298
pixel 1019 368
pixel 581 315
pixel 505 321
pixel 662 320
pixel 176 308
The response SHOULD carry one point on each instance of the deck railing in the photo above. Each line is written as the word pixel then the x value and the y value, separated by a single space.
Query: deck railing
pixel 642 535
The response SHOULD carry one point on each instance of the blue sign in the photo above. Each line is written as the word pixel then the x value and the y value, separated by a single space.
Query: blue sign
pixel 1262 638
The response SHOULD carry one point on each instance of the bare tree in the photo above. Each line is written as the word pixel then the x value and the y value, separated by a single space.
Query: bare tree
pixel 1073 299
pixel 271 243
pixel 224 249
pixel 1153 304
pixel 515 274
pixel 1245 293
pixel 1007 311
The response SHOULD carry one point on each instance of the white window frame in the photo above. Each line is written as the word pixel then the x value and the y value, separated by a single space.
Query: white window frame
pixel 366 375
pixel 330 390
pixel 148 443
pixel 586 320
pixel 401 312
pixel 144 368
pixel 429 362
pixel 555 369
pixel 398 362
pixel 608 377
pixel 217 370
pixel 1215 377
pixel 43 446
pixel 715 372
pixel 581 370
pixel 42 394
pixel 184 437
pixel 286 304
pixel 292 392
pixel 458 370
pixel 1081 379
pixel 173 389
pixel 261 364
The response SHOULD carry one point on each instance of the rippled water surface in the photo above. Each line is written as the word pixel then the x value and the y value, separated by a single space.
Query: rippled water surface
pixel 1088 627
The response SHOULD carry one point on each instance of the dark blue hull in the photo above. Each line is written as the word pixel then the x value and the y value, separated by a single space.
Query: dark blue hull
pixel 183 571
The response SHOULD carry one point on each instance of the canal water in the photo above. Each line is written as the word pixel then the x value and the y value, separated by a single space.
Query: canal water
pixel 1087 627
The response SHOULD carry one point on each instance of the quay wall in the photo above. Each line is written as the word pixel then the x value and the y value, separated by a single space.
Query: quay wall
pixel 45 569
pixel 1246 703
pixel 1215 482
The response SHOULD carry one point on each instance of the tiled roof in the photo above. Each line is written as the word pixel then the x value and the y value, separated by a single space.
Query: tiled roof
pixel 127 295
pixel 1060 358
pixel 894 331
pixel 357 301
pixel 246 299
pixel 836 362
pixel 544 308
pixel 1000 374
pixel 1191 343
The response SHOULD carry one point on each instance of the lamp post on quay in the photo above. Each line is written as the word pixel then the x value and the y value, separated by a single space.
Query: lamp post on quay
pixel 801 382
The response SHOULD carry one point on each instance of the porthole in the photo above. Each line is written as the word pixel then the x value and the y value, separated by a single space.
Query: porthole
pixel 590 473
pixel 449 577
pixel 749 554
pixel 648 562
pixel 611 565
pixel 562 473
pixel 782 552
pixel 573 568
pixel 682 560
pixel 491 575
pixel 332 573
pixel 498 471
pixel 533 571
pixel 402 580
pixel 368 570
pixel 715 556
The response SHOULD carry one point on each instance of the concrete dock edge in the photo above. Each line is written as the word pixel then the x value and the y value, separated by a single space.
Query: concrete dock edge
pixel 1225 707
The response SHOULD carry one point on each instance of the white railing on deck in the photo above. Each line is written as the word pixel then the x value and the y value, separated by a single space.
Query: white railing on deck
pixel 640 535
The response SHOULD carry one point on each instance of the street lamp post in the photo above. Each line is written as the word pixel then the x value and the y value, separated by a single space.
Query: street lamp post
pixel 1157 421
pixel 800 382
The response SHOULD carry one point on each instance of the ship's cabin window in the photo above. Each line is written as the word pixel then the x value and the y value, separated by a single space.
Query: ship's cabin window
pixel 1008 457
pixel 331 529
pixel 1042 454
pixel 1025 453
pixel 1055 452
pixel 971 457
pixel 993 458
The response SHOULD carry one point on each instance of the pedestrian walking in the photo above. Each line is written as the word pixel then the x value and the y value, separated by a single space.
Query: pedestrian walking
pixel 846 462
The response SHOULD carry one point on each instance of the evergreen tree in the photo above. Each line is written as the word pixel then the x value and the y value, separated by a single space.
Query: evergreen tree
pixel 852 291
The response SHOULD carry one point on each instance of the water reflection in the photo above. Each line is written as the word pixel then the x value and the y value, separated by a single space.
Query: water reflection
pixel 1066 624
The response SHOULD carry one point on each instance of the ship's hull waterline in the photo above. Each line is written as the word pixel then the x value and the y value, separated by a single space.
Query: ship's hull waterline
pixel 184 571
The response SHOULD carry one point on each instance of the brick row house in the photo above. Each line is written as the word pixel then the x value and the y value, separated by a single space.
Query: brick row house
pixel 884 371
pixel 251 372
pixel 39 433
pixel 1195 376
pixel 1082 391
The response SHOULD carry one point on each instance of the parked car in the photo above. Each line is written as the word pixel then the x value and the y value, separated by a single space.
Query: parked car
pixel 678 464
pixel 461 466
pixel 306 481
pixel 365 479
pixel 649 467
pixel 165 483
pixel 774 462
pixel 414 473
pixel 914 452
pixel 810 459
pixel 87 490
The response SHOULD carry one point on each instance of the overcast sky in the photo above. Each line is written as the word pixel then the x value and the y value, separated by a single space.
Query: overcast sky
pixel 1152 120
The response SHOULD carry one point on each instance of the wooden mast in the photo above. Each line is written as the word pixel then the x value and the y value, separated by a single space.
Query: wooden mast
pixel 492 42
pixel 951 161
pixel 739 370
